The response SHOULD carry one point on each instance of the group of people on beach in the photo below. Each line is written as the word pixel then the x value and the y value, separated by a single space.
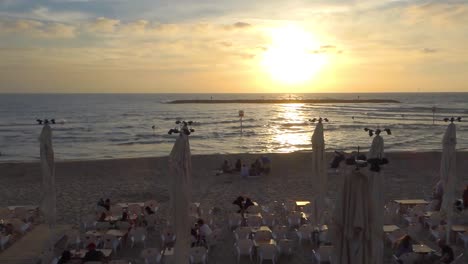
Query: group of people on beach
pixel 257 168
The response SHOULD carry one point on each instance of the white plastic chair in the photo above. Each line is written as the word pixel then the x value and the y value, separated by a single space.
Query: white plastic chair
pixel 289 206
pixel 267 252
pixel 150 221
pixel 323 254
pixel 214 238
pixel 3 241
pixel 242 232
pixel 167 237
pixel 244 247
pixel 285 247
pixel 254 221
pixel 304 232
pixel 294 219
pixel 463 237
pixel 198 255
pixel 268 219
pixel 151 255
pixel 110 242
pixel 234 220
pixel 152 204
pixel 279 232
pixel 138 235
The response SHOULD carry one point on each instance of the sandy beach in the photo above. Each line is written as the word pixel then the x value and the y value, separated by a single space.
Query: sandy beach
pixel 81 183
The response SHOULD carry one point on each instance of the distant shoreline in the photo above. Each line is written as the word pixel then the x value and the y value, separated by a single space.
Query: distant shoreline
pixel 284 101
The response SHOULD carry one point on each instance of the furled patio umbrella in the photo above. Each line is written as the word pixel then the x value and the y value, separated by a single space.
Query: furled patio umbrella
pixel 319 173
pixel 180 166
pixel 48 203
pixel 448 173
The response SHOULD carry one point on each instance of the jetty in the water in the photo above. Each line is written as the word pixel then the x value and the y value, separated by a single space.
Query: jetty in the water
pixel 284 101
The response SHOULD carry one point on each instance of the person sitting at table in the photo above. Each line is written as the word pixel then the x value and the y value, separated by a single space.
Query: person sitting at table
pixel 403 245
pixel 239 201
pixel 65 258
pixel 204 230
pixel 102 217
pixel 465 197
pixel 124 217
pixel 107 204
pixel 226 167
pixel 93 254
pixel 148 210
pixel 238 165
pixel 248 203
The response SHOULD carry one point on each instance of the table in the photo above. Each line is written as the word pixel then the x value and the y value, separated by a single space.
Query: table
pixel 262 228
pixel 460 228
pixel 390 228
pixel 405 203
pixel 266 242
pixel 125 205
pixel 302 203
pixel 94 233
pixel 28 207
pixel 429 213
pixel 422 249
pixel 116 232
pixel 81 253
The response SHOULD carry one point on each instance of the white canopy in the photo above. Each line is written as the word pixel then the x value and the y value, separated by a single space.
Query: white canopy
pixel 351 230
pixel 319 173
pixel 448 173
pixel 48 203
pixel 180 166
pixel 376 185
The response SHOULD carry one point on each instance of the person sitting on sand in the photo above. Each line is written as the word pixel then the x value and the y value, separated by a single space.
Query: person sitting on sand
pixel 244 171
pixel 403 246
pixel 93 254
pixel 238 165
pixel 465 197
pixel 226 167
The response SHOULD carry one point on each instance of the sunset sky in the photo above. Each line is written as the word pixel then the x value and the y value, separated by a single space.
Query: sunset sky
pixel 170 46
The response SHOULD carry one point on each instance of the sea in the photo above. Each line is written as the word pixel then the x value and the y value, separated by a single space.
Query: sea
pixel 106 126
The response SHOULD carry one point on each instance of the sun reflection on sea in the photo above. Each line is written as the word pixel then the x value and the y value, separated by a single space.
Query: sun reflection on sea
pixel 287 135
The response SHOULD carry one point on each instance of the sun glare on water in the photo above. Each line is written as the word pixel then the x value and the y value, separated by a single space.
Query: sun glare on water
pixel 293 56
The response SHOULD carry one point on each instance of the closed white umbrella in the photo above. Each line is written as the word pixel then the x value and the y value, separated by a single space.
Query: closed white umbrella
pixel 48 203
pixel 319 173
pixel 448 174
pixel 376 184
pixel 180 166
pixel 351 228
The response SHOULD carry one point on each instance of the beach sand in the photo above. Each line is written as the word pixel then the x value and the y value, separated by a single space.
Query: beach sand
pixel 81 183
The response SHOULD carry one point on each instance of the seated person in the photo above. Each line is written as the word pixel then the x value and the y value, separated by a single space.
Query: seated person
pixel 247 203
pixel 226 168
pixel 124 217
pixel 266 162
pixel 446 252
pixel 93 254
pixel 148 210
pixel 465 197
pixel 403 246
pixel 65 258
pixel 244 171
pixel 238 165
pixel 203 230
pixel 458 206
pixel 107 204
pixel 239 201
pixel 101 203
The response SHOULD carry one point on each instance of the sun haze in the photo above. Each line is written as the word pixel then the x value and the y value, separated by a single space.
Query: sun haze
pixel 75 46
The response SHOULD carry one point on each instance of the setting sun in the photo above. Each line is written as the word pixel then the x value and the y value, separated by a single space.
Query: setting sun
pixel 294 55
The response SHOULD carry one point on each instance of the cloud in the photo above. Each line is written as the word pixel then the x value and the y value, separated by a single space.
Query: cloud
pixel 37 29
pixel 238 25
pixel 428 50
pixel 103 25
